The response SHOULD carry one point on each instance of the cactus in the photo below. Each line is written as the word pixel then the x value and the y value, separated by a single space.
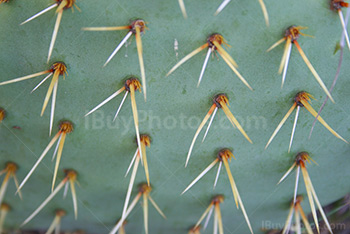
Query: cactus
pixel 100 149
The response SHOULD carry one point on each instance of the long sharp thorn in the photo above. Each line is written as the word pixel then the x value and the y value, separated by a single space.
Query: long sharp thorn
pixel 58 159
pixel 40 13
pixel 234 121
pixel 217 210
pixel 288 220
pixel 294 126
pixel 232 182
pixel 309 194
pixel 264 10
pixel 65 191
pixel 297 222
pixel 296 185
pixel 221 7
pixel 53 225
pixel 47 200
pixel 106 100
pixel 210 122
pixel 205 171
pixel 74 198
pixel 344 27
pixel 3 215
pixel 132 162
pixel 208 218
pixel 287 173
pixel 234 188
pixel 136 118
pixel 105 28
pixel 145 212
pixel 4 186
pixel 286 63
pixel 235 71
pixel 321 120
pixel 54 34
pixel 39 160
pixel 17 186
pixel 121 221
pixel 204 66
pixel 41 82
pixel 217 175
pixel 225 54
pixel 198 131
pixel 285 53
pixel 183 9
pixel 156 206
pixel 58 227
pixel 53 104
pixel 56 149
pixel 25 77
pixel 187 57
pixel 131 183
pixel 204 214
pixel 313 71
pixel 281 124
pixel 49 92
pixel 318 203
pixel 305 220
pixel 142 66
pixel 120 106
pixel 276 44
pixel 215 226
pixel 145 164
pixel 118 48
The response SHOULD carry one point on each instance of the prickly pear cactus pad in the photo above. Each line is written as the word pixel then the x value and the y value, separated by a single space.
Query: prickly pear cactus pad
pixel 100 150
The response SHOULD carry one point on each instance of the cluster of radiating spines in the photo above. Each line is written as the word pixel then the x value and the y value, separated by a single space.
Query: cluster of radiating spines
pixel 10 173
pixel 137 27
pixel 130 86
pixel 299 215
pixel 143 192
pixel 223 5
pixel 302 99
pixel 214 206
pixel 69 180
pixel 55 226
pixel 4 209
pixel 291 36
pixel 223 157
pixel 65 128
pixel 214 43
pixel 300 163
pixel 220 101
pixel 145 142
pixel 56 70
pixel 337 5
pixel 2 114
pixel 60 6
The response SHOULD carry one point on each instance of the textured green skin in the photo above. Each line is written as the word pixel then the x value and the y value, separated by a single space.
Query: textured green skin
pixel 101 156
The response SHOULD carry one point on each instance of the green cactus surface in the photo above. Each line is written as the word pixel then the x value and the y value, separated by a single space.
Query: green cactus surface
pixel 100 150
